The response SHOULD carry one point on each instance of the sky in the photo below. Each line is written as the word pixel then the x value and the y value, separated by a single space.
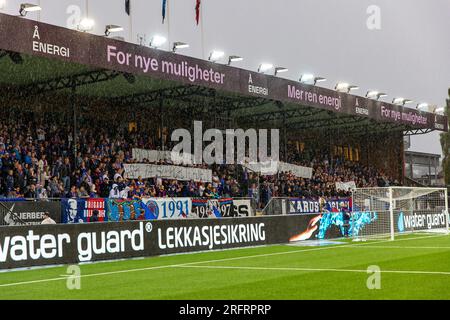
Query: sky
pixel 400 47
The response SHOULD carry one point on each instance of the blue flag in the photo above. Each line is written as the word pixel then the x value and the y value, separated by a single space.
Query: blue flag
pixel 127 7
pixel 164 4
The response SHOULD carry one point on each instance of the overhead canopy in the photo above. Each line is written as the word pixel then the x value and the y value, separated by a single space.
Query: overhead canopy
pixel 54 58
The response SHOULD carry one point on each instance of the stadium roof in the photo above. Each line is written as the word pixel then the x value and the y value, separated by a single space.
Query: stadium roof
pixel 38 59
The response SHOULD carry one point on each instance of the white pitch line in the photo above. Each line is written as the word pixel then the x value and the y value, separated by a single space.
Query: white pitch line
pixel 401 247
pixel 65 277
pixel 318 269
pixel 207 261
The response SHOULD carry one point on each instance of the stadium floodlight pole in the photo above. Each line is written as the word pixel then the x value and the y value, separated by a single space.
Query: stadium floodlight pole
pixel 112 28
pixel 157 41
pixel 179 45
pixel 28 7
pixel 234 59
pixel 280 70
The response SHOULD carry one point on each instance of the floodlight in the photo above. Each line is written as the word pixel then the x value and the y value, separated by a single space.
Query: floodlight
pixel 86 24
pixel 263 67
pixel 307 77
pixel 234 59
pixel 28 7
pixel 422 106
pixel 157 41
pixel 319 79
pixel 216 55
pixel 439 110
pixel 341 86
pixel 398 100
pixel 112 28
pixel 372 94
pixel 280 69
pixel 406 101
pixel 179 45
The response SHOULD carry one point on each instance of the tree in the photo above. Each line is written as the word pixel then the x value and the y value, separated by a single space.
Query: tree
pixel 445 143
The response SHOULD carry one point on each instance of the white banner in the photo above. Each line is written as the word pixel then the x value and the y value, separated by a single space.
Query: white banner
pixel 157 155
pixel 133 171
pixel 169 208
pixel 273 167
pixel 242 208
pixel 346 186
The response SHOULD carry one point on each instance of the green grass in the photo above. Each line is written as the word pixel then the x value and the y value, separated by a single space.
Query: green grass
pixel 272 272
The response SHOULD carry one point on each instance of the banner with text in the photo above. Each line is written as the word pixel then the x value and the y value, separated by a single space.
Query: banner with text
pixel 142 155
pixel 346 186
pixel 301 206
pixel 30 212
pixel 274 167
pixel 80 210
pixel 212 208
pixel 133 171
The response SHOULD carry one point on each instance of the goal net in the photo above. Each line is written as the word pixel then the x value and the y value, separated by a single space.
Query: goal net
pixel 387 212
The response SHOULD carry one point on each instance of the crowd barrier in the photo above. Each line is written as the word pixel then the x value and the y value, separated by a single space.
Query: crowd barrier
pixel 30 212
pixel 285 205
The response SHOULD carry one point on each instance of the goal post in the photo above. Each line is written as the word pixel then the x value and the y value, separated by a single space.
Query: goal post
pixel 390 211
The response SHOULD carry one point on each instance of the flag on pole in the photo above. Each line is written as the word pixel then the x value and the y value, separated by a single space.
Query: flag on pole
pixel 197 11
pixel 127 7
pixel 164 5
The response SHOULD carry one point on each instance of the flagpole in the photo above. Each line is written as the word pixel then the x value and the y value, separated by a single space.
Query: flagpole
pixel 86 7
pixel 202 5
pixel 168 22
pixel 130 17
pixel 39 12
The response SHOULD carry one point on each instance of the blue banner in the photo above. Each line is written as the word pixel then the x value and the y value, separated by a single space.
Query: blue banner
pixel 297 205
pixel 80 210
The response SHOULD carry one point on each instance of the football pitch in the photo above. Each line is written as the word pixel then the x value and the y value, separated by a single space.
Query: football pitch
pixel 415 266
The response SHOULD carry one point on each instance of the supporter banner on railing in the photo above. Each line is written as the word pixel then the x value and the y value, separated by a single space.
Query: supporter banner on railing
pixel 133 171
pixel 169 208
pixel 242 208
pixel 80 210
pixel 274 167
pixel 212 208
pixel 346 186
pixel 75 243
pixel 30 212
pixel 141 155
pixel 301 206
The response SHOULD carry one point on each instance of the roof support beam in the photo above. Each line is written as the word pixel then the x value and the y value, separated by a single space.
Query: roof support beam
pixel 67 82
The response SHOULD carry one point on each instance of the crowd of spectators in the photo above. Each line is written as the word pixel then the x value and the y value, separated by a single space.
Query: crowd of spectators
pixel 37 161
